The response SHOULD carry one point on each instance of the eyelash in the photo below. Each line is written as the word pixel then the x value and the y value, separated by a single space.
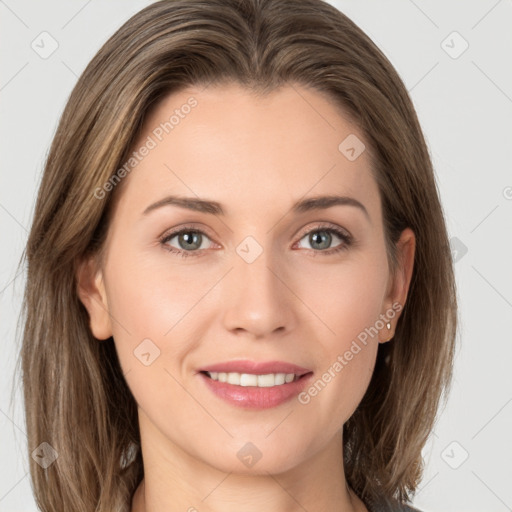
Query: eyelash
pixel 346 239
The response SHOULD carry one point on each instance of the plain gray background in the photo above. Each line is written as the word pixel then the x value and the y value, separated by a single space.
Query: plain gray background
pixel 455 58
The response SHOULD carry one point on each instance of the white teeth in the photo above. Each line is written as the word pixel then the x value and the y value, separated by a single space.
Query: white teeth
pixel 249 379
pixel 233 378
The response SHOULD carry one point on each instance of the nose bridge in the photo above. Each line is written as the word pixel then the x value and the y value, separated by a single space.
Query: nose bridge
pixel 258 301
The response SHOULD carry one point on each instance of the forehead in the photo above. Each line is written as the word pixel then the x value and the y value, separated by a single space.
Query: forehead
pixel 249 152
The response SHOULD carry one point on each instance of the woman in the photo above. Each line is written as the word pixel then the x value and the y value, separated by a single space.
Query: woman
pixel 187 344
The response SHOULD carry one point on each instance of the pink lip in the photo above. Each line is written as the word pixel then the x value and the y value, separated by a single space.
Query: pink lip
pixel 253 397
pixel 254 367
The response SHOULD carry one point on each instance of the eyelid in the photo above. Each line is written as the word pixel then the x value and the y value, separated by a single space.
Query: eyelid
pixel 323 225
pixel 185 227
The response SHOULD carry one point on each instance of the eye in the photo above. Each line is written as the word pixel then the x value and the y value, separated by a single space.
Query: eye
pixel 189 242
pixel 321 238
pixel 193 242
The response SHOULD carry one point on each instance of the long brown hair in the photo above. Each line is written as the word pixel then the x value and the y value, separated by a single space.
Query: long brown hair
pixel 76 398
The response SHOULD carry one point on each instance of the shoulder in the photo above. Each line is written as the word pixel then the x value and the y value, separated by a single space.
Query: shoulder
pixel 387 505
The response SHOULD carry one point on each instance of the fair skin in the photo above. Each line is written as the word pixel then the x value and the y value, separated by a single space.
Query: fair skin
pixel 257 157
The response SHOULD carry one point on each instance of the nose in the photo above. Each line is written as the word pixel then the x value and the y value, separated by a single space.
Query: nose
pixel 257 298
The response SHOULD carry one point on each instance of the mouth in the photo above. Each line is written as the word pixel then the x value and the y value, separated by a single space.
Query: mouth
pixel 266 380
pixel 245 366
pixel 253 385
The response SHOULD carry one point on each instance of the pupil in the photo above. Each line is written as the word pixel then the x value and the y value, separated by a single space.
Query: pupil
pixel 189 236
pixel 326 238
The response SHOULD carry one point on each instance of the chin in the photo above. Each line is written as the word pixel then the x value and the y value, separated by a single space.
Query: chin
pixel 253 458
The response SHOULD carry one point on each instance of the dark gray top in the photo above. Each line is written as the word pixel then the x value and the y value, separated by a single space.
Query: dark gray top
pixel 385 505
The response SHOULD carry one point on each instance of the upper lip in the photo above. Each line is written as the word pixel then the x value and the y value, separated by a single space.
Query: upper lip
pixel 255 367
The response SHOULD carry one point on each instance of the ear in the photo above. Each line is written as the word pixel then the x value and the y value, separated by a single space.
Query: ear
pixel 399 283
pixel 92 294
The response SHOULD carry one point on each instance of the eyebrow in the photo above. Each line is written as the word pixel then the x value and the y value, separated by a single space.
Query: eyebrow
pixel 215 208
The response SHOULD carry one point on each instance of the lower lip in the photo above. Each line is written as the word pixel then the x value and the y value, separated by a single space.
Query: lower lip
pixel 252 397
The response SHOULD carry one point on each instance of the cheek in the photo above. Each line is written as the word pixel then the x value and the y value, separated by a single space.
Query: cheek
pixel 153 299
pixel 151 293
pixel 348 300
pixel 155 326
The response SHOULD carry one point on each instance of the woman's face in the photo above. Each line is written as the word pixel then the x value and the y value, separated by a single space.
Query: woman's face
pixel 259 276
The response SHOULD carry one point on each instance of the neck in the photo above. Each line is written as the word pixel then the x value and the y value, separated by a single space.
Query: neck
pixel 176 481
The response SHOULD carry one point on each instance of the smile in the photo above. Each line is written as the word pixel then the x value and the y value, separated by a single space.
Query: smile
pixel 248 379
pixel 253 391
